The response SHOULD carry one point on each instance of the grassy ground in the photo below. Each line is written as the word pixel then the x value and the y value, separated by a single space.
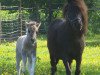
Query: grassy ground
pixel 90 62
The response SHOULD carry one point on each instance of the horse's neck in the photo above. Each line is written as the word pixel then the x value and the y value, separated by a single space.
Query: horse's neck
pixel 30 40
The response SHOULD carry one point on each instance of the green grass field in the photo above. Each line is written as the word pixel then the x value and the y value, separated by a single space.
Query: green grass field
pixel 90 63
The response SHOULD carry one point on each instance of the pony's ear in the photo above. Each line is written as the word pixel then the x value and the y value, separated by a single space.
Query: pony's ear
pixel 26 23
pixel 38 25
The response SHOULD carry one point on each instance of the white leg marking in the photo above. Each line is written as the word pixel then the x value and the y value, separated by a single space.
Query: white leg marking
pixel 31 65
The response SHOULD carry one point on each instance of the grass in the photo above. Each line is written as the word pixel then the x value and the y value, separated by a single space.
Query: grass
pixel 90 63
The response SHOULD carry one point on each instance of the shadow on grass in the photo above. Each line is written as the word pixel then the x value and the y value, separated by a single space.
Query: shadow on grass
pixel 93 40
pixel 93 43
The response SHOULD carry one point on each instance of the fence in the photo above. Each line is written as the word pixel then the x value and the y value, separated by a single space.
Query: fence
pixel 12 29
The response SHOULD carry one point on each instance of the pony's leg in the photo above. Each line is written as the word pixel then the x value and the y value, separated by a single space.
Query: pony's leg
pixel 78 65
pixel 70 61
pixel 18 59
pixel 24 59
pixel 53 65
pixel 67 66
pixel 31 64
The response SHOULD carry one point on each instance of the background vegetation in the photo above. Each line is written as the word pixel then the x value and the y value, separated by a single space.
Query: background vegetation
pixel 47 10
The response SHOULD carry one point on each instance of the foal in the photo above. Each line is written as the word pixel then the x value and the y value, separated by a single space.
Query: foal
pixel 26 48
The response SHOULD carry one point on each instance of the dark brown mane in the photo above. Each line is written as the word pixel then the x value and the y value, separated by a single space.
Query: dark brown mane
pixel 83 8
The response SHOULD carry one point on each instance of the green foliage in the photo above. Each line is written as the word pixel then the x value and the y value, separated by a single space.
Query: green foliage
pixel 40 10
pixel 43 3
pixel 5 15
pixel 92 3
pixel 9 2
pixel 94 24
pixel 90 62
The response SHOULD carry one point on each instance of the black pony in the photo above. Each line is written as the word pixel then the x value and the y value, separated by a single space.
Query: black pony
pixel 65 38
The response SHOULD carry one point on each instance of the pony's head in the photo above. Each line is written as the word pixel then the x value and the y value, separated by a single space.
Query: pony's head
pixel 32 29
pixel 75 12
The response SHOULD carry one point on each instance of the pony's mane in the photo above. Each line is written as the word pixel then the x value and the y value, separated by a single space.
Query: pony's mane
pixel 83 8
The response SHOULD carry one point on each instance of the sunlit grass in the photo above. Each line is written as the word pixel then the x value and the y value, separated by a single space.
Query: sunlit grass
pixel 90 63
